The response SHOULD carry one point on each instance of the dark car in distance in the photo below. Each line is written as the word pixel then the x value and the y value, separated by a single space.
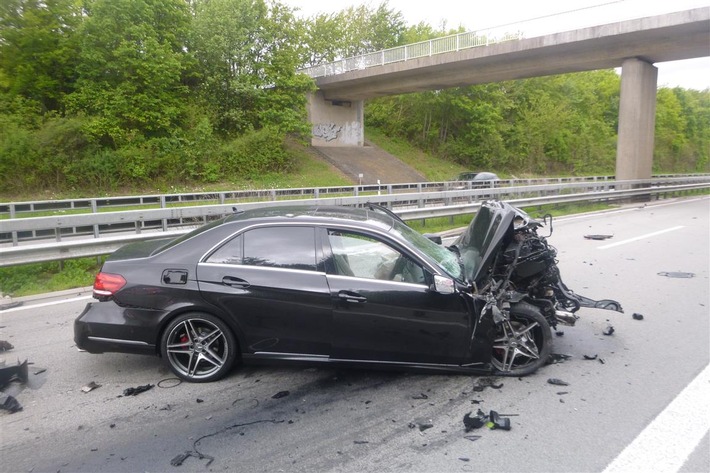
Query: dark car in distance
pixel 320 284
pixel 477 176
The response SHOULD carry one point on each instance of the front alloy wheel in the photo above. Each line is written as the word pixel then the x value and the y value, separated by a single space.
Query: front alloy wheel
pixel 523 342
pixel 198 347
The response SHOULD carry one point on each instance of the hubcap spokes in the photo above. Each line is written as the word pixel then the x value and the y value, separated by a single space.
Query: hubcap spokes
pixel 515 345
pixel 198 348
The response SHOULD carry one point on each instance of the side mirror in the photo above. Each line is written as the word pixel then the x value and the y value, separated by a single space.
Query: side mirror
pixel 443 285
pixel 435 238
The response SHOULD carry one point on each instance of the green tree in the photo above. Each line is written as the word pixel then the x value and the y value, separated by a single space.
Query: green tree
pixel 248 53
pixel 38 49
pixel 131 68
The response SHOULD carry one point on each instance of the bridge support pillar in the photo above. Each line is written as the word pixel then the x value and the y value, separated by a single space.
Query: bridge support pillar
pixel 637 118
pixel 336 122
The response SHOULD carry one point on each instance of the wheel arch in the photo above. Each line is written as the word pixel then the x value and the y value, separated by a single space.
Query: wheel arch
pixel 201 308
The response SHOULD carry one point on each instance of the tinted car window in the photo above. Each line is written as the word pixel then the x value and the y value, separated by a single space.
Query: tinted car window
pixel 280 247
pixel 229 253
pixel 362 256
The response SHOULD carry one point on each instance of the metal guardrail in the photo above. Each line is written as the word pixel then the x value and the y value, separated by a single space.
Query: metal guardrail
pixel 102 204
pixel 409 206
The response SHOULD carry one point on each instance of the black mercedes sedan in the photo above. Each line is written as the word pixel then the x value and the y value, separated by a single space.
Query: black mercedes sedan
pixel 320 284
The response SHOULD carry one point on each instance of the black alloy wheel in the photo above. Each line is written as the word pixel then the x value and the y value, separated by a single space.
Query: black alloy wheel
pixel 522 343
pixel 198 347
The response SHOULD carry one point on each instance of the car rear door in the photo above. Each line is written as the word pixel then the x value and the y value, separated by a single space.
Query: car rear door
pixel 271 282
pixel 383 309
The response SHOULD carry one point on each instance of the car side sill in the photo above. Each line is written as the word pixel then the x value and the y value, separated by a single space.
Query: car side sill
pixel 264 355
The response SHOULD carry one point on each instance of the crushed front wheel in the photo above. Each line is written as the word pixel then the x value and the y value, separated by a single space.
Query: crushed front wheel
pixel 523 343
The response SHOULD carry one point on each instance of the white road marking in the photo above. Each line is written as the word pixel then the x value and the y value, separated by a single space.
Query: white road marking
pixel 44 304
pixel 642 237
pixel 665 444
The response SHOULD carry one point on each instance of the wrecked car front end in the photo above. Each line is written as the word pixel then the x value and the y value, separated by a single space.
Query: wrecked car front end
pixel 514 270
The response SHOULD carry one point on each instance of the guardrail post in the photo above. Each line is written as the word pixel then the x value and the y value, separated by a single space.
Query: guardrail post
pixel 316 193
pixel 94 209
pixel 162 206
pixel 14 234
pixel 221 198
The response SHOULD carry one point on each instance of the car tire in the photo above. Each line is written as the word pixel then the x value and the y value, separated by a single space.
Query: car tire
pixel 198 347
pixel 522 343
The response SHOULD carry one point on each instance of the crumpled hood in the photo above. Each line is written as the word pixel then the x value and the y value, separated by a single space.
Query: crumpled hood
pixel 479 243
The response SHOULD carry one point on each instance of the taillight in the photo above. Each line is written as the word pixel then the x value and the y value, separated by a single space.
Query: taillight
pixel 107 284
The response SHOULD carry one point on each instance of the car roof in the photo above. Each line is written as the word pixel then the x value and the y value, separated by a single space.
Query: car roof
pixel 315 214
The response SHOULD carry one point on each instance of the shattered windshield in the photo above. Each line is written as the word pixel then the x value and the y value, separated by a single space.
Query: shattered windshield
pixel 443 257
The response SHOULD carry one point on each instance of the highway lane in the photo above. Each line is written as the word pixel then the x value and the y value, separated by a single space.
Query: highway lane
pixel 357 420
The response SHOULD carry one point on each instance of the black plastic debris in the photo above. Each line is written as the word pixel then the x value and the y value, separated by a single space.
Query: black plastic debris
pixel 199 400
pixel 9 403
pixel 360 442
pixel 557 358
pixel 5 346
pixel 137 390
pixel 637 316
pixel 676 274
pixel 464 459
pixel 475 422
pixel 420 396
pixel 608 330
pixel 598 237
pixel 588 357
pixel 9 374
pixel 497 422
pixel 492 420
pixel 90 387
pixel 280 394
pixel 559 333
pixel 472 438
pixel 486 382
pixel 557 382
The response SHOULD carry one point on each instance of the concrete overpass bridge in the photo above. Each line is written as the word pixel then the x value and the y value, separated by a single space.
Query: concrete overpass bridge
pixel 336 109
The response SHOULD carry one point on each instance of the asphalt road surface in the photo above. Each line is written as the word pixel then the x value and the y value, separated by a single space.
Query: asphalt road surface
pixel 641 405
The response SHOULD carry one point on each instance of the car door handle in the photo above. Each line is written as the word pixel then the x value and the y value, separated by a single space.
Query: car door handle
pixel 234 282
pixel 351 297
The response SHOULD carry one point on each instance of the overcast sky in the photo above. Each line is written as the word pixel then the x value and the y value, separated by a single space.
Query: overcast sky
pixel 480 15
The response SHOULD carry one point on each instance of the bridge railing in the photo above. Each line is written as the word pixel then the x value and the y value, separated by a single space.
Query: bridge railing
pixel 576 18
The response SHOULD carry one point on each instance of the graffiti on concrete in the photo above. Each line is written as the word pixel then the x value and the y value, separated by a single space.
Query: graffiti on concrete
pixel 326 131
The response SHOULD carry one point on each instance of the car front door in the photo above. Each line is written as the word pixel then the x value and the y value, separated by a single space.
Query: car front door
pixel 383 307
pixel 271 282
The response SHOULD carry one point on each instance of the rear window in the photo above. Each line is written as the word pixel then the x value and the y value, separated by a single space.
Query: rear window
pixel 276 247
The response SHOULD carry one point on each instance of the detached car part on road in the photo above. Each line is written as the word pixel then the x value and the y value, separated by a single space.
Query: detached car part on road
pixel 335 284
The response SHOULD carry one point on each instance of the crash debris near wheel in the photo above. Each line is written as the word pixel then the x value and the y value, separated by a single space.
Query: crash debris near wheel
pixel 354 286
